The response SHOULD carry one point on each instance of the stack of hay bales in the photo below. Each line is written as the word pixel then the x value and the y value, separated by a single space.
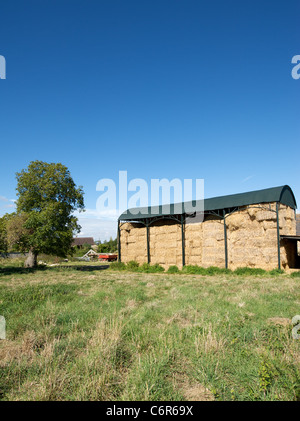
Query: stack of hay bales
pixel 133 242
pixel 193 244
pixel 251 240
pixel 213 247
pixel 252 236
pixel 165 243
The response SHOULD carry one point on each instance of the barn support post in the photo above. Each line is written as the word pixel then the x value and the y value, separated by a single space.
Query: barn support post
pixel 182 240
pixel 278 236
pixel 119 242
pixel 225 241
pixel 148 241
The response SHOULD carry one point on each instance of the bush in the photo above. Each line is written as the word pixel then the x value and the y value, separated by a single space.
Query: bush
pixel 173 269
pixel 198 270
pixel 146 267
pixel 117 266
pixel 249 271
pixel 275 272
pixel 132 266
pixel 295 274
pixel 213 270
pixel 194 269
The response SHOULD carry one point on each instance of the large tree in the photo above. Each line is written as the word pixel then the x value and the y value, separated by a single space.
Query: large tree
pixel 47 198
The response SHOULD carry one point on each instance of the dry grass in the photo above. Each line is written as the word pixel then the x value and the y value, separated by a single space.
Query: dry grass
pixel 102 335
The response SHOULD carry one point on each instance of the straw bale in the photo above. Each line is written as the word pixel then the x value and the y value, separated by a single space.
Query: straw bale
pixel 269 225
pixel 265 215
pixel 193 260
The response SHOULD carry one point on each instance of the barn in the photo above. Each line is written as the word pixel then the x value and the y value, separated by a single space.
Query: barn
pixel 255 229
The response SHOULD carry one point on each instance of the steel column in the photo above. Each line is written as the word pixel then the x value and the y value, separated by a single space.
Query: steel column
pixel 182 240
pixel 278 236
pixel 119 242
pixel 148 242
pixel 225 241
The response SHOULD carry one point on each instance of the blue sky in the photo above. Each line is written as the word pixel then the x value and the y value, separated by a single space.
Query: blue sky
pixel 162 89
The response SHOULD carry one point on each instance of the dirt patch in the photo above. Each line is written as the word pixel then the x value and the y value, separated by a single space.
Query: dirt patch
pixel 282 321
pixel 131 304
pixel 197 392
pixel 192 391
pixel 82 293
pixel 11 350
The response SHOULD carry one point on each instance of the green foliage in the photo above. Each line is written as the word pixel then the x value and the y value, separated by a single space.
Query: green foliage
pixel 117 266
pixel 148 268
pixel 190 269
pixel 3 235
pixel 173 269
pixel 243 271
pixel 266 375
pixel 275 272
pixel 295 274
pixel 80 251
pixel 198 270
pixel 47 198
pixel 110 246
pixel 194 269
pixel 132 266
pixel 17 233
pixel 213 270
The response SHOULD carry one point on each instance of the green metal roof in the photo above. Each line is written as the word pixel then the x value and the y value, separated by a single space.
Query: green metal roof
pixel 282 194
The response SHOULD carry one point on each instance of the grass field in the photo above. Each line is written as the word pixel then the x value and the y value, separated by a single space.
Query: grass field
pixel 105 335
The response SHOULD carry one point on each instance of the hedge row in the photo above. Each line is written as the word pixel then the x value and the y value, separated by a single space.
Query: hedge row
pixel 134 266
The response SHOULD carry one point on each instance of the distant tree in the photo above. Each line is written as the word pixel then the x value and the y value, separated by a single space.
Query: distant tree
pixel 110 246
pixel 3 235
pixel 47 197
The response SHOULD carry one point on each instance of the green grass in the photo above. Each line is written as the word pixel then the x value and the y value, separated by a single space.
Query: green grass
pixel 134 266
pixel 122 335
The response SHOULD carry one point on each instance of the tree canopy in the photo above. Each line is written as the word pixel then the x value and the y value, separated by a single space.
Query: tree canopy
pixel 46 199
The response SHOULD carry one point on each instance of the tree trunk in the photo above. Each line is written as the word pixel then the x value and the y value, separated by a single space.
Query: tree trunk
pixel 31 259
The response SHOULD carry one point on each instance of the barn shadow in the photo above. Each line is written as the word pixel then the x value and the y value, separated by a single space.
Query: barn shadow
pixel 13 270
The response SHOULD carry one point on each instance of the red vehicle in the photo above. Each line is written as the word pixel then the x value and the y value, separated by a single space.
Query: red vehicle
pixel 109 257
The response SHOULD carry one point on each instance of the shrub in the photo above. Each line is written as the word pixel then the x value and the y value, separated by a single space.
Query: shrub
pixel 194 269
pixel 295 274
pixel 132 266
pixel 117 266
pixel 198 270
pixel 275 272
pixel 249 271
pixel 173 269
pixel 157 268
pixel 146 267
pixel 213 270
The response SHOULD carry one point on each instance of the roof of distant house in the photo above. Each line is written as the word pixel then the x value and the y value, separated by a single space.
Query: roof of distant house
pixel 80 241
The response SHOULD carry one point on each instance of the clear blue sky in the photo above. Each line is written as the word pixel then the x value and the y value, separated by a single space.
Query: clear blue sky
pixel 185 89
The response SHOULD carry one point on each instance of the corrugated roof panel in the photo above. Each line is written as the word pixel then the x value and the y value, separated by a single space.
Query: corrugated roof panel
pixel 282 194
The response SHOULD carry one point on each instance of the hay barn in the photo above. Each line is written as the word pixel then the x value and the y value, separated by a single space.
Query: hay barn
pixel 255 229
